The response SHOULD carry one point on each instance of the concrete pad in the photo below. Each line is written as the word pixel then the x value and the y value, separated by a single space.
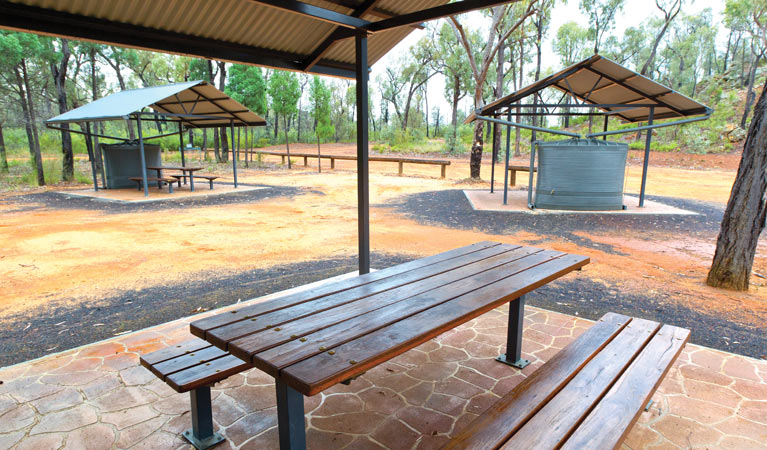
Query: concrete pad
pixel 517 203
pixel 130 195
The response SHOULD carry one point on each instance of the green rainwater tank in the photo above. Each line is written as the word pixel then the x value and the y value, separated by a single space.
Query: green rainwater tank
pixel 580 175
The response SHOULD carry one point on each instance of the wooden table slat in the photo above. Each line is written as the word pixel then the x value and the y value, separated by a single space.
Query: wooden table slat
pixel 501 420
pixel 573 403
pixel 369 317
pixel 412 281
pixel 607 425
pixel 315 374
pixel 200 327
pixel 203 375
pixel 191 345
pixel 166 368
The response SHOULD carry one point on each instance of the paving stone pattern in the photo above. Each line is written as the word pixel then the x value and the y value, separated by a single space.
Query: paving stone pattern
pixel 98 397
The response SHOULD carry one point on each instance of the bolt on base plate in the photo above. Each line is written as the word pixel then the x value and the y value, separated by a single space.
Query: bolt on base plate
pixel 210 441
pixel 521 363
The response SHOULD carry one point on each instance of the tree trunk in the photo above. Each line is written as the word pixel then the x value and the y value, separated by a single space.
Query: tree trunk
pixel 216 146
pixel 225 144
pixel 205 142
pixel 319 156
pixel 750 94
pixel 426 110
pixel 95 96
pixel 454 116
pixel 3 157
pixel 476 150
pixel 727 51
pixel 59 72
pixel 498 94
pixel 517 133
pixel 29 118
pixel 744 217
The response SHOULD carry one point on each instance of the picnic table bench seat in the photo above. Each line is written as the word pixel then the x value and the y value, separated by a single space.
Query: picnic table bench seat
pixel 585 397
pixel 514 168
pixel 210 178
pixel 160 180
pixel 194 366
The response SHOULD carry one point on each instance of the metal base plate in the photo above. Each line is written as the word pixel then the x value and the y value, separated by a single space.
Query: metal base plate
pixel 214 439
pixel 519 364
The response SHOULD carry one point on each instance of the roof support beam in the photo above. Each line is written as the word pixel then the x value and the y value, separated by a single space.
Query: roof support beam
pixel 49 22
pixel 315 12
pixel 378 12
pixel 637 91
pixel 337 34
pixel 436 12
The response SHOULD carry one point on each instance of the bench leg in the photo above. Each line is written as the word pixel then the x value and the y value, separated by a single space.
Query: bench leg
pixel 290 417
pixel 512 177
pixel 332 163
pixel 202 436
pixel 513 355
pixel 211 184
pixel 306 161
pixel 444 169
pixel 400 168
pixel 170 188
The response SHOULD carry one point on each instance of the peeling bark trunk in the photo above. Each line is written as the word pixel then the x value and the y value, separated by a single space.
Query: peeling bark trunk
pixel 744 218
pixel 3 157
pixel 59 72
pixel 29 122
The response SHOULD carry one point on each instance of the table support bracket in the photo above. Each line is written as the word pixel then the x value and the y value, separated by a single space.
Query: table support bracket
pixel 513 355
pixel 201 435
pixel 290 417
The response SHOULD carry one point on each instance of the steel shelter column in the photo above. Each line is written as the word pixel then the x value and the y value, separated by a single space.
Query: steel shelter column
pixel 363 196
pixel 234 155
pixel 181 141
pixel 91 155
pixel 604 138
pixel 646 162
pixel 143 156
pixel 506 167
pixel 492 166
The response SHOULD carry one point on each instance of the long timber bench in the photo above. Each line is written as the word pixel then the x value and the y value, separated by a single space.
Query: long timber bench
pixel 194 366
pixel 400 160
pixel 585 397
pixel 513 169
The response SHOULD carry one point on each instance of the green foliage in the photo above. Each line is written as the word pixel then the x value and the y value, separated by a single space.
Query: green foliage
pixel 571 43
pixel 284 91
pixel 247 86
pixel 320 100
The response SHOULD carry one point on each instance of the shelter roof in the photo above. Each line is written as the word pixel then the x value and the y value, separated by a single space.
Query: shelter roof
pixel 308 36
pixel 197 104
pixel 600 81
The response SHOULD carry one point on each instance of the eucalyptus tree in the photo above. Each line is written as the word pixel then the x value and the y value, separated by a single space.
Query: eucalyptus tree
pixel 284 90
pixel 750 17
pixel 450 59
pixel 601 15
pixel 16 53
pixel 480 63
pixel 59 67
pixel 670 9
pixel 570 45
pixel 319 94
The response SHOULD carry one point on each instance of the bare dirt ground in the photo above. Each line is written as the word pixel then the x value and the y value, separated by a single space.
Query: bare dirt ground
pixel 75 271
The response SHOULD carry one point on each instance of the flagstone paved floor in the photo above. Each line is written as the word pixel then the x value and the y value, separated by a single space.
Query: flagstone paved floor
pixel 98 397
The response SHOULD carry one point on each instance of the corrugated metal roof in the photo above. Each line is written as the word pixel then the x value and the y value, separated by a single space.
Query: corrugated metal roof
pixel 198 101
pixel 598 80
pixel 242 22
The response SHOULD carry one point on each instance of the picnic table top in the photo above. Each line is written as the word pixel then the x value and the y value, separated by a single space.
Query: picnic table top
pixel 189 168
pixel 314 340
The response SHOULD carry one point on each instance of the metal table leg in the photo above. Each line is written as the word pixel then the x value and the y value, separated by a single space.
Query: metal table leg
pixel 290 417
pixel 513 355
pixel 191 181
pixel 201 435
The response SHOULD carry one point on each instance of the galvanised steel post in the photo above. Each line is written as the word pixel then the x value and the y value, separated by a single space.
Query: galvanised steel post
pixel 91 155
pixel 492 167
pixel 143 156
pixel 234 155
pixel 363 195
pixel 181 141
pixel 646 162
pixel 506 167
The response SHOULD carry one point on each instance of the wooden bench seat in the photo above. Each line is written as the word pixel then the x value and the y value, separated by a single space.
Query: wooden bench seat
pixel 585 397
pixel 210 179
pixel 194 366
pixel 167 180
pixel 513 169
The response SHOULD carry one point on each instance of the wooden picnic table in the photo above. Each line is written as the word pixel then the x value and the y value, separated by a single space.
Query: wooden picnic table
pixel 310 341
pixel 183 169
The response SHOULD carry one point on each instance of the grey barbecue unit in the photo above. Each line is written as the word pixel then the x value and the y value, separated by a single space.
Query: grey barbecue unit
pixel 123 161
pixel 580 175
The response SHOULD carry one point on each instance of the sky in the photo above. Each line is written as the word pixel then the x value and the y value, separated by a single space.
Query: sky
pixel 634 12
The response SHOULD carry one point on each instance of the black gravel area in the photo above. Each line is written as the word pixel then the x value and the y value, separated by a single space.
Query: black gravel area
pixel 69 323
pixel 452 209
pixel 591 300
pixel 58 200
